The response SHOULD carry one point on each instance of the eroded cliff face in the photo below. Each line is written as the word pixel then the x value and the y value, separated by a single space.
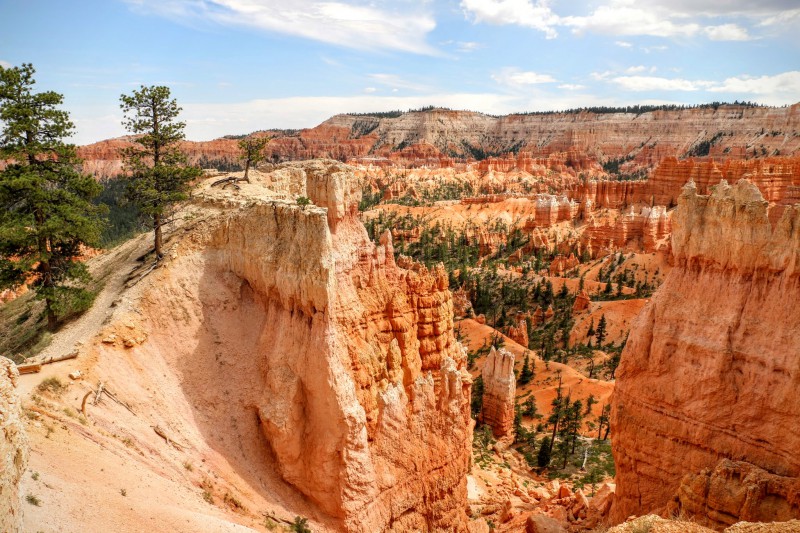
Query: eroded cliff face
pixel 363 393
pixel 712 364
pixel 13 449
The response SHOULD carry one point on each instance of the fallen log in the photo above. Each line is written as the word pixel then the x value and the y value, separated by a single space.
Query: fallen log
pixel 72 355
pixel 30 369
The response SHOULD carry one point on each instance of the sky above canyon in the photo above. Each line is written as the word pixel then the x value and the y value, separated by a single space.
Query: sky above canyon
pixel 237 66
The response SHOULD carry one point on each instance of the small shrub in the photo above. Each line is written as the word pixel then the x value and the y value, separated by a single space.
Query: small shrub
pixel 303 201
pixel 188 466
pixel 35 476
pixel 300 525
pixel 33 500
pixel 233 501
pixel 123 492
pixel 208 497
pixel 52 385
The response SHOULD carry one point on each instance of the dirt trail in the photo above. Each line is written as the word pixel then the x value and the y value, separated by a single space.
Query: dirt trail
pixel 112 268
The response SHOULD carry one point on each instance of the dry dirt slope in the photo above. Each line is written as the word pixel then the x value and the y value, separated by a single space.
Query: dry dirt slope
pixel 189 379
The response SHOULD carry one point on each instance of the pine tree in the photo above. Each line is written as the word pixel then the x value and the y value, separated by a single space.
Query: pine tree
pixel 600 335
pixel 527 373
pixel 158 170
pixel 46 209
pixel 252 152
pixel 543 458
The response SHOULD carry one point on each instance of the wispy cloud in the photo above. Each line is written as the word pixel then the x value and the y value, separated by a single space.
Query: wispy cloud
pixel 571 87
pixel 655 18
pixel 5 64
pixel 516 78
pixel 378 25
pixel 396 82
pixel 536 15
pixel 776 89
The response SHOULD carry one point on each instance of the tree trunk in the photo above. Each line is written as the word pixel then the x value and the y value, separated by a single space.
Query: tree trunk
pixel 247 170
pixel 608 428
pixel 157 236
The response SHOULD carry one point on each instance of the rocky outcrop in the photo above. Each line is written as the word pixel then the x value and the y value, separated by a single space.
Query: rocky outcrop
pixel 736 491
pixel 499 389
pixel 582 302
pixel 646 229
pixel 13 449
pixel 710 369
pixel 365 400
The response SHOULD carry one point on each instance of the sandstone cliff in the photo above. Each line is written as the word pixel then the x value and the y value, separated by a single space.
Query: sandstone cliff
pixel 710 369
pixel 541 143
pixel 13 449
pixel 348 360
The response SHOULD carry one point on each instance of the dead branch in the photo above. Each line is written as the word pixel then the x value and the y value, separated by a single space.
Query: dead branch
pixel 123 404
pixel 154 266
pixel 83 403
pixel 72 355
pixel 228 181
pixel 160 432
pixel 98 393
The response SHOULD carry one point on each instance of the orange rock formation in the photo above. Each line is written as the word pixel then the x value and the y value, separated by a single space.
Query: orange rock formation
pixel 736 491
pixel 710 368
pixel 499 388
pixel 362 370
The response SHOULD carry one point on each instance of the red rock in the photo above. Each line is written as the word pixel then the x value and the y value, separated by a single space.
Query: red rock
pixel 499 388
pixel 736 491
pixel 710 368
pixel 538 523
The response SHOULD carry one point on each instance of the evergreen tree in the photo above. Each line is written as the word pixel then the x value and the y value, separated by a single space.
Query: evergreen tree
pixel 476 404
pixel 252 152
pixel 590 332
pixel 159 174
pixel 46 209
pixel 543 458
pixel 601 333
pixel 527 373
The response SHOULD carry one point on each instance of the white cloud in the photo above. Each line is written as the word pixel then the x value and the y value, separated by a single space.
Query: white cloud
pixel 726 32
pixel 515 78
pixel 369 90
pixel 396 82
pixel 379 25
pixel 571 87
pixel 657 48
pixel 468 46
pixel 620 18
pixel 656 18
pixel 654 83
pixel 5 64
pixel 634 70
pixel 536 15
pixel 775 90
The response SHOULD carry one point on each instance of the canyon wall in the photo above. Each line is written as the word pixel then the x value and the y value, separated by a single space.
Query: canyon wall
pixel 365 398
pixel 535 143
pixel 13 449
pixel 712 364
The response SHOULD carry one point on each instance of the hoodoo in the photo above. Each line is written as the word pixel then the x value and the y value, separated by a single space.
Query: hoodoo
pixel 710 370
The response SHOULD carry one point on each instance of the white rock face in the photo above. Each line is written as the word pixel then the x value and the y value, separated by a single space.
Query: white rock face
pixel 13 449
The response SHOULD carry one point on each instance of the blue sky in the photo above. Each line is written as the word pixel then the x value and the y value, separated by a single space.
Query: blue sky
pixel 237 66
